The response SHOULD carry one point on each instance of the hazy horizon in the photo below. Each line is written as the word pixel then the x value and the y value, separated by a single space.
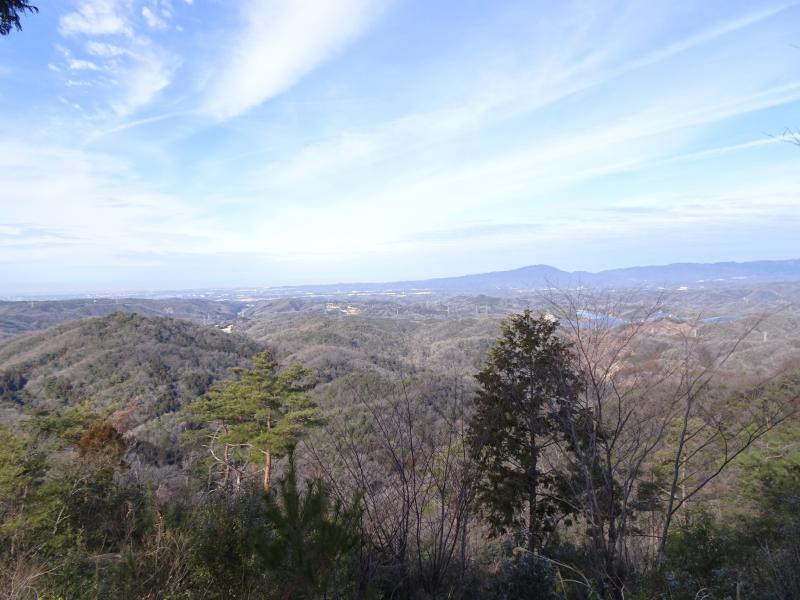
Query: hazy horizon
pixel 166 144
pixel 121 292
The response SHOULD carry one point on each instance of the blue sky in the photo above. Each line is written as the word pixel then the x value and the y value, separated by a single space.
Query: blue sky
pixel 173 143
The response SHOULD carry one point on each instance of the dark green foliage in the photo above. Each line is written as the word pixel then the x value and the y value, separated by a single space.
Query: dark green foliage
pixel 229 536
pixel 11 384
pixel 314 536
pixel 292 544
pixel 699 556
pixel 100 536
pixel 10 13
pixel 527 380
pixel 262 414
pixel 62 428
pixel 197 384
pixel 771 557
pixel 18 468
pixel 757 552
pixel 523 577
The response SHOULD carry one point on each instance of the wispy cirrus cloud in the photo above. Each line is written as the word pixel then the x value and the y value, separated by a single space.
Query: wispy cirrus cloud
pixel 19 234
pixel 89 201
pixel 96 17
pixel 153 19
pixel 537 87
pixel 491 134
pixel 125 68
pixel 282 41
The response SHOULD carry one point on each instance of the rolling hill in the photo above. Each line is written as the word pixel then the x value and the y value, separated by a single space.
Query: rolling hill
pixel 22 316
pixel 126 366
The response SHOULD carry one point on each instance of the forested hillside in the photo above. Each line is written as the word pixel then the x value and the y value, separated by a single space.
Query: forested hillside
pixel 124 367
pixel 20 317
pixel 152 457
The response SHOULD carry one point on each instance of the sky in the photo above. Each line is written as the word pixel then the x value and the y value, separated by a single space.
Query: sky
pixel 171 144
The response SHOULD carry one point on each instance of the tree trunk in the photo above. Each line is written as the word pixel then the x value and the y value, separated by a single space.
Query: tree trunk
pixel 267 470
pixel 226 457
pixel 268 461
pixel 683 491
pixel 533 484
pixel 677 464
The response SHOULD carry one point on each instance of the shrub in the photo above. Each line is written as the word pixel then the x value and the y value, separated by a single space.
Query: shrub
pixel 524 577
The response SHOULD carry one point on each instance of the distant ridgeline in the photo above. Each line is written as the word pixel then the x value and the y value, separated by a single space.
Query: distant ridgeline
pixel 692 275
pixel 212 305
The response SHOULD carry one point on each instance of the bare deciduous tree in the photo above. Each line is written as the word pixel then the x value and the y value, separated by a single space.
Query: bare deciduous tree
pixel 408 458
pixel 645 410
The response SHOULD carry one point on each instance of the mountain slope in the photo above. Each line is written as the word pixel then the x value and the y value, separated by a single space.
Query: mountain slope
pixel 20 317
pixel 128 366
pixel 709 274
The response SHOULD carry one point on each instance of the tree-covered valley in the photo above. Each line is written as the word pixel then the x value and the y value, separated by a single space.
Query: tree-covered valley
pixel 566 444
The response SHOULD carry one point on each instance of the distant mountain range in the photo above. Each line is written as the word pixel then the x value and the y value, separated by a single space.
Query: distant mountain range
pixel 204 305
pixel 692 275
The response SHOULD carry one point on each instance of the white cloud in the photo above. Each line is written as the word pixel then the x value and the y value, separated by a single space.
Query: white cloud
pixel 707 35
pixel 282 41
pixel 135 68
pixel 555 75
pixel 66 102
pixel 404 136
pixel 149 75
pixel 93 201
pixel 103 49
pixel 153 20
pixel 473 149
pixel 95 17
pixel 82 65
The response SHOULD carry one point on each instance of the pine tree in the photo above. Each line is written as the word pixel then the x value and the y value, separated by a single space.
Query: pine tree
pixel 264 410
pixel 314 534
pixel 10 12
pixel 527 379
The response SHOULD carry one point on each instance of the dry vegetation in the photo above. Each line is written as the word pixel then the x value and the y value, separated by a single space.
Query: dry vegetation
pixel 691 396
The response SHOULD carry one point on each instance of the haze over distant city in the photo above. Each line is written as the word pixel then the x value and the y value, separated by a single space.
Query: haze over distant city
pixel 194 143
